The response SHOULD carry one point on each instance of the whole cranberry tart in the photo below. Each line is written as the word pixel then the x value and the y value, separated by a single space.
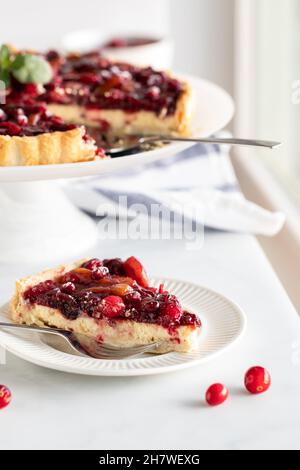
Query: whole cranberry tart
pixel 109 300
pixel 50 97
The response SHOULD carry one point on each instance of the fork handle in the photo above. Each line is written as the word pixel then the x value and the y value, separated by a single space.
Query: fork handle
pixel 219 140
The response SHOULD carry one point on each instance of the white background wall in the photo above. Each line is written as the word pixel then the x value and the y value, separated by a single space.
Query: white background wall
pixel 202 29
pixel 44 21
pixel 204 36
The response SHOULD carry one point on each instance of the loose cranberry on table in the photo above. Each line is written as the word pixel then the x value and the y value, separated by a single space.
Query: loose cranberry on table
pixel 216 394
pixel 257 380
pixel 134 269
pixel 5 396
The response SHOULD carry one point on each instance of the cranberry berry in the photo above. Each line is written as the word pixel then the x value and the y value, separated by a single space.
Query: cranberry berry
pixel 257 380
pixel 135 270
pixel 216 395
pixel 100 273
pixel 68 288
pixel 150 305
pixel 92 264
pixel 10 128
pixel 112 307
pixel 115 266
pixel 70 277
pixel 5 396
pixel 33 293
pixel 133 297
pixel 31 89
pixel 173 311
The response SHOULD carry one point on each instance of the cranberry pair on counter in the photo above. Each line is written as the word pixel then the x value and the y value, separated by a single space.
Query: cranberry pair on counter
pixel 257 380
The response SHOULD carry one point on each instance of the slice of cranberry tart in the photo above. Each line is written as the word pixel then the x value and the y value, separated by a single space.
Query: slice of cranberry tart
pixel 109 300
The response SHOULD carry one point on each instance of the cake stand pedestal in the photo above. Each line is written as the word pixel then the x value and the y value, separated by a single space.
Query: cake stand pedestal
pixel 39 224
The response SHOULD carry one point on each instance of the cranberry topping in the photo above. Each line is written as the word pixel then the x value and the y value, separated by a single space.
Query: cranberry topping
pixel 26 114
pixel 100 289
pixel 9 128
pixel 133 268
pixel 92 81
pixel 37 291
pixel 30 120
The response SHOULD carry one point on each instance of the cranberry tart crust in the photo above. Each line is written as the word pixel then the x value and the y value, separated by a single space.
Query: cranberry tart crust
pixel 44 149
pixel 31 135
pixel 108 300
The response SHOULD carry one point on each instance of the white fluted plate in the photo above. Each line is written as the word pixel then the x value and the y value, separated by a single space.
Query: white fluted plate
pixel 223 324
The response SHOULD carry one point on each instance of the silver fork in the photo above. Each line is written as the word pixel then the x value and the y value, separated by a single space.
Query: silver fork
pixel 86 345
pixel 133 144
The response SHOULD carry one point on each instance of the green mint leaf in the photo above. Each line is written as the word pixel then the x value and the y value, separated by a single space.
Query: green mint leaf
pixel 27 68
pixel 4 57
pixel 19 61
pixel 5 77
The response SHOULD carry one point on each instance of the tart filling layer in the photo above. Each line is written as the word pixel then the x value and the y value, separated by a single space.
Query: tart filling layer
pixel 109 300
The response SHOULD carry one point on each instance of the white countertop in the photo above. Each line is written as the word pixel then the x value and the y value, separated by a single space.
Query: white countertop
pixel 53 410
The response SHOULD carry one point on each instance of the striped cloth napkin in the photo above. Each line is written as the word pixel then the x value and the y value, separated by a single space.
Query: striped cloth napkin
pixel 198 183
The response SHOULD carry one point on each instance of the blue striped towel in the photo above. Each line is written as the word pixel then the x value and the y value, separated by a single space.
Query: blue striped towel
pixel 198 183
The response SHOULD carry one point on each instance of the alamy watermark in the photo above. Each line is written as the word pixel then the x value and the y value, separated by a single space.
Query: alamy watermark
pixel 154 221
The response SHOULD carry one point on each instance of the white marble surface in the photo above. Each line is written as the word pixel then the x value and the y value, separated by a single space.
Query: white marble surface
pixel 52 410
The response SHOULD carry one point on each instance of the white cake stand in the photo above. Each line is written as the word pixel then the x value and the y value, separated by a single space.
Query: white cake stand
pixel 39 223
